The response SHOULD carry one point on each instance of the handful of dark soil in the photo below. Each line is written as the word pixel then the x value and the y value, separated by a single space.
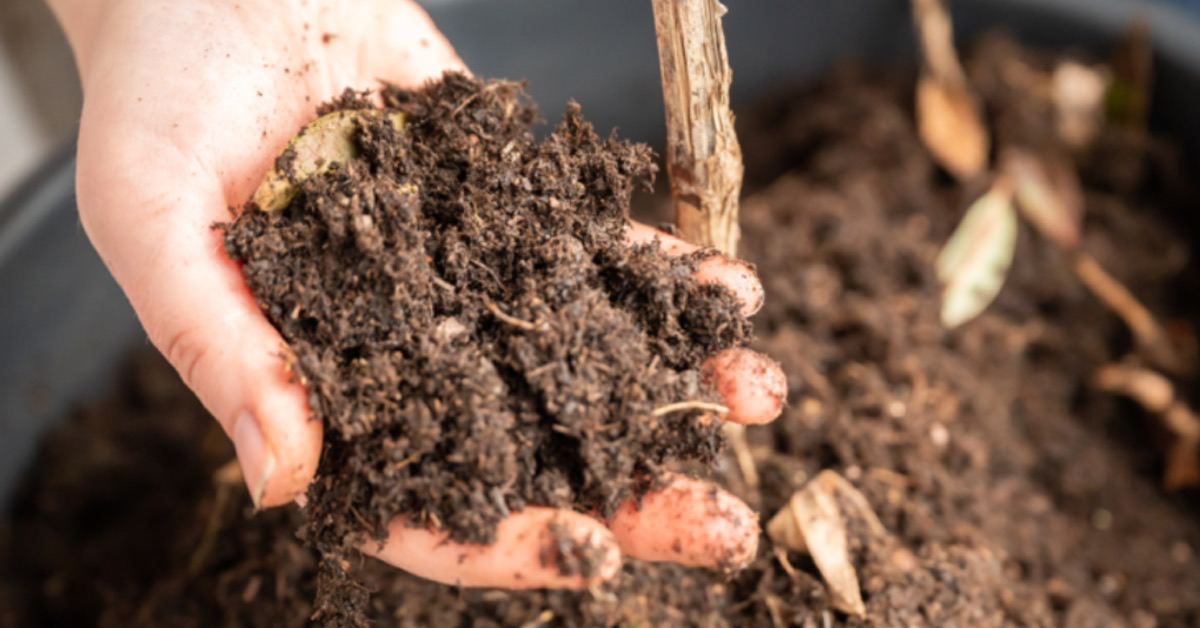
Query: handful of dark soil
pixel 476 333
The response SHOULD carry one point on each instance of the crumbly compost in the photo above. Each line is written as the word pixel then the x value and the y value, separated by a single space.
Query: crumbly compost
pixel 474 329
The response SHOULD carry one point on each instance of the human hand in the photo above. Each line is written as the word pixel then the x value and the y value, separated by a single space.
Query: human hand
pixel 186 105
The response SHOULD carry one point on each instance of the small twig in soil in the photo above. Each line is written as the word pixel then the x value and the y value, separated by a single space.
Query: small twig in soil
pixel 690 405
pixel 736 434
pixel 489 88
pixel 543 619
pixel 224 479
pixel 511 320
pixel 772 603
pixel 1151 338
pixel 1156 394
pixel 781 556
pixel 441 283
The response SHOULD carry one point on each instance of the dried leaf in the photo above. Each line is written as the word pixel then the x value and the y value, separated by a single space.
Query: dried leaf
pixel 951 126
pixel 973 264
pixel 1048 193
pixel 861 507
pixel 1078 92
pixel 319 146
pixel 948 113
pixel 784 529
pixel 1156 394
pixel 812 522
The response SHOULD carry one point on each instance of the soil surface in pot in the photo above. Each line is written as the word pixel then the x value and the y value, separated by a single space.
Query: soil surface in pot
pixel 1011 491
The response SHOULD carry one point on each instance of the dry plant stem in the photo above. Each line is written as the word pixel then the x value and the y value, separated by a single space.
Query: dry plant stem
pixel 704 160
pixel 1151 339
pixel 937 41
pixel 1156 394
pixel 736 433
pixel 690 405
pixel 511 320
pixel 814 522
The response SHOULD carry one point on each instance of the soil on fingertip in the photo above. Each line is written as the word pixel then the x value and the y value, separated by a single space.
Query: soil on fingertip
pixel 1012 492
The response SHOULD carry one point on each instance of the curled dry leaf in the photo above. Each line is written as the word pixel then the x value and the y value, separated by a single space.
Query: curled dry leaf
pixel 812 522
pixel 973 264
pixel 948 114
pixel 1078 92
pixel 1048 194
pixel 319 146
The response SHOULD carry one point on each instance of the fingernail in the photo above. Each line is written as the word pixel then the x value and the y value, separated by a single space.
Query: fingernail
pixel 752 385
pixel 736 275
pixel 253 454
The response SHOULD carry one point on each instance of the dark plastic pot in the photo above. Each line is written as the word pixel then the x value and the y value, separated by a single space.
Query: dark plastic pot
pixel 64 324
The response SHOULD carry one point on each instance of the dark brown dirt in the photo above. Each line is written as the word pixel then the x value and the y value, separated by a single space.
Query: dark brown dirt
pixel 475 331
pixel 124 522
pixel 1012 492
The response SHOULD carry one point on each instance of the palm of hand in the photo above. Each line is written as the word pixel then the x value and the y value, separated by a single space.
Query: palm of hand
pixel 185 108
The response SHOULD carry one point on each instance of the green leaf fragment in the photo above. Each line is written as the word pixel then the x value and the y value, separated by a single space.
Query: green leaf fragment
pixel 324 143
pixel 975 261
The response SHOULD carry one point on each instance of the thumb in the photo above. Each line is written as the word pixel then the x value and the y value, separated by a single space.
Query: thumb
pixel 159 243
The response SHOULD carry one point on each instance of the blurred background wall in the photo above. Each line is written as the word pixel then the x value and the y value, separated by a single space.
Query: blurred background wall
pixel 39 89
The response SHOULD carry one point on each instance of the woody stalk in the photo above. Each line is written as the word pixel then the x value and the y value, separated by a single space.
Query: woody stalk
pixel 704 160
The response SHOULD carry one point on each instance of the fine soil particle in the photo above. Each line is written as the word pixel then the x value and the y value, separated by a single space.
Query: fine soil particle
pixel 1012 492
pixel 475 331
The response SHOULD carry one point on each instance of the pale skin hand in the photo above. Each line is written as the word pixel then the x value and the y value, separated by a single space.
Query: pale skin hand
pixel 186 105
